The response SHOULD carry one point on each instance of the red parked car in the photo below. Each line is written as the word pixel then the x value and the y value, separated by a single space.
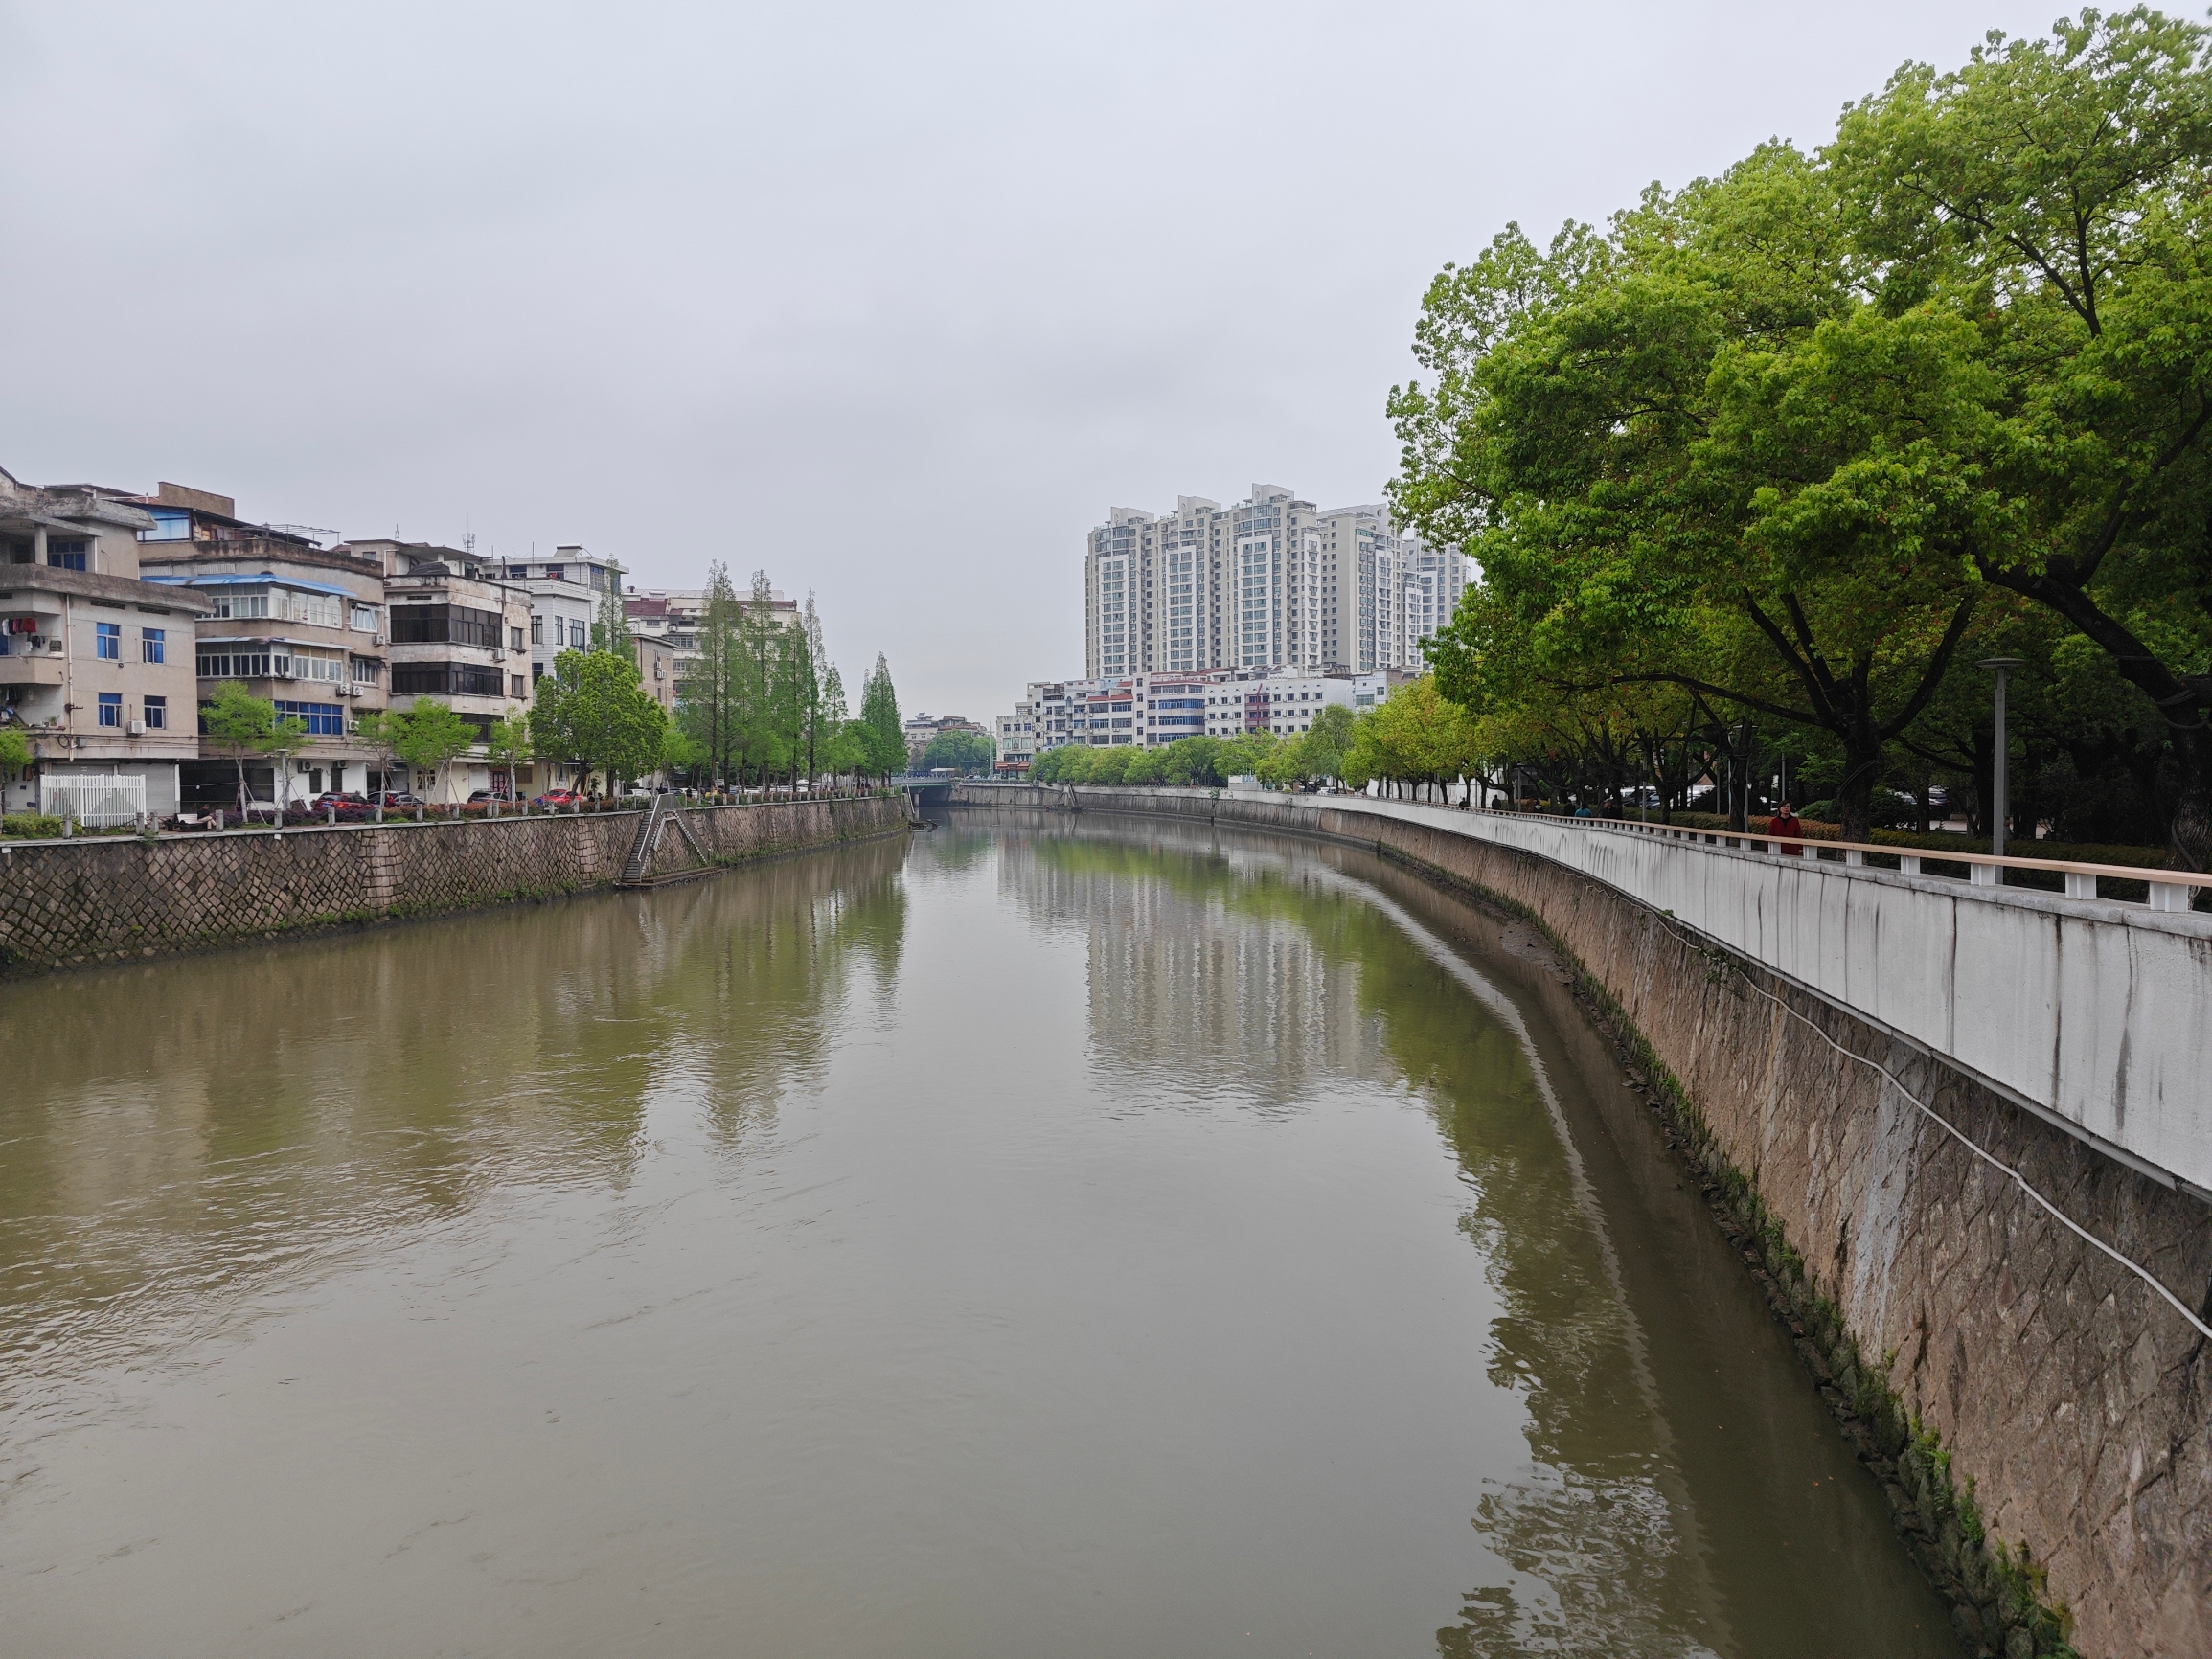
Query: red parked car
pixel 556 798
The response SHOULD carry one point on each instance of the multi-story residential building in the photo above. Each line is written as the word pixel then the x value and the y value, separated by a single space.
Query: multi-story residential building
pixel 1284 701
pixel 1272 581
pixel 1018 739
pixel 1052 715
pixel 566 592
pixel 923 730
pixel 459 633
pixel 1434 580
pixel 294 622
pixel 657 670
pixel 674 614
pixel 96 663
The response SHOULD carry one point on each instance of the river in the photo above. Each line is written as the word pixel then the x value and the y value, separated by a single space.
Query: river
pixel 1038 1237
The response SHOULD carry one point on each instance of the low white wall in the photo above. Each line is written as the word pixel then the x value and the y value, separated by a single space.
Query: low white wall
pixel 2096 1013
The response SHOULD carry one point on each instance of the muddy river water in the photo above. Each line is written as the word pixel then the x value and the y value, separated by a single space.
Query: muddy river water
pixel 1031 1238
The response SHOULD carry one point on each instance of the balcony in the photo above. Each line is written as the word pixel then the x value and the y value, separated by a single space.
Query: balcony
pixel 41 668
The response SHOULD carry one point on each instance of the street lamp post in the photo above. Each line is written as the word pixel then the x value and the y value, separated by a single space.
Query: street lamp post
pixel 1998 807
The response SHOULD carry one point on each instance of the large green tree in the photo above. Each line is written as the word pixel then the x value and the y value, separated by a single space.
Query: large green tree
pixel 969 752
pixel 1692 451
pixel 2051 197
pixel 593 713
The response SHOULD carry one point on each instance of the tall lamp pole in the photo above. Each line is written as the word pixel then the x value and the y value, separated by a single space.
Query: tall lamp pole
pixel 1998 807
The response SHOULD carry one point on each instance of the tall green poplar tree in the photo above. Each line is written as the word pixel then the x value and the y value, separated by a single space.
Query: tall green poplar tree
pixel 882 741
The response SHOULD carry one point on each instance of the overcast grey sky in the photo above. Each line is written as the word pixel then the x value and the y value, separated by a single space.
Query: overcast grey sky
pixel 891 300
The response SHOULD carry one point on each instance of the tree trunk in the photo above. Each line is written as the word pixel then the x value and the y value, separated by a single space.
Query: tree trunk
pixel 2189 836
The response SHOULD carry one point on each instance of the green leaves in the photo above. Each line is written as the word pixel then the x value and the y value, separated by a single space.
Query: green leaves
pixel 430 735
pixel 592 711
pixel 882 741
pixel 969 752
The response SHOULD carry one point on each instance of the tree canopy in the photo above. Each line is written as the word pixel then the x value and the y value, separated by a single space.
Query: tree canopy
pixel 593 713
pixel 1805 440
pixel 969 752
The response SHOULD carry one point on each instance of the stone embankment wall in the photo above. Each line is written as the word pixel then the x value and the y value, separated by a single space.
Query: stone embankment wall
pixel 1995 1369
pixel 70 903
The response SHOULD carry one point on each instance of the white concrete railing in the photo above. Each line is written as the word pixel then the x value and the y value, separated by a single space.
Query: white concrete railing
pixel 2094 1012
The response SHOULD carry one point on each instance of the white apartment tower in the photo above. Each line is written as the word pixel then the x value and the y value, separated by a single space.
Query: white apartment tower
pixel 1272 581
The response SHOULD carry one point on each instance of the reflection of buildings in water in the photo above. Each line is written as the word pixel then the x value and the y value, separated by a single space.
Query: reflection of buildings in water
pixel 289 1101
pixel 1233 969
pixel 1207 966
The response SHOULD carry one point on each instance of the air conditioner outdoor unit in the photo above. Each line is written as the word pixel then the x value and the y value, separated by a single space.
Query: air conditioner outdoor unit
pixel 137 727
pixel 53 648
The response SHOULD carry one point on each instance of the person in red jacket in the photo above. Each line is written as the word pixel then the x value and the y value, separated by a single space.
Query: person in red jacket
pixel 1784 827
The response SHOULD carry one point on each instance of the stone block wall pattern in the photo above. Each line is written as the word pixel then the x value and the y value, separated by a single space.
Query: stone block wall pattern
pixel 2075 1405
pixel 70 903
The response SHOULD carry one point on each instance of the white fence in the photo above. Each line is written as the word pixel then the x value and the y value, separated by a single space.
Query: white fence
pixel 93 799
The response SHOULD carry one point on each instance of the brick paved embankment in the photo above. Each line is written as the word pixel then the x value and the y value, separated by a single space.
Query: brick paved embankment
pixel 70 903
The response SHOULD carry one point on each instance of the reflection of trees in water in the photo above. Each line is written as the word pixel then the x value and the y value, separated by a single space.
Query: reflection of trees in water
pixel 199 1125
pixel 1223 962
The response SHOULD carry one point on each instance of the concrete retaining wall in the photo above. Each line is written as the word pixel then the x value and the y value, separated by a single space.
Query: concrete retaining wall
pixel 102 900
pixel 2072 1400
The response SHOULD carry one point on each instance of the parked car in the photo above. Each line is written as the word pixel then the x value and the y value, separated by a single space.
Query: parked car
pixel 395 801
pixel 483 797
pixel 352 807
pixel 556 798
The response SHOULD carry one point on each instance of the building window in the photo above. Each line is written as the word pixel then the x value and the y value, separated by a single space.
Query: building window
pixel 170 524
pixel 537 671
pixel 576 638
pixel 445 679
pixel 157 713
pixel 537 630
pixel 513 639
pixel 153 642
pixel 365 618
pixel 235 666
pixel 68 552
pixel 444 625
pixel 515 687
pixel 108 641
pixel 367 671
pixel 111 709
pixel 322 719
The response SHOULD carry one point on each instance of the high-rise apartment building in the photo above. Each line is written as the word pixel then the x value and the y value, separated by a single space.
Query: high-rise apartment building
pixel 1272 581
